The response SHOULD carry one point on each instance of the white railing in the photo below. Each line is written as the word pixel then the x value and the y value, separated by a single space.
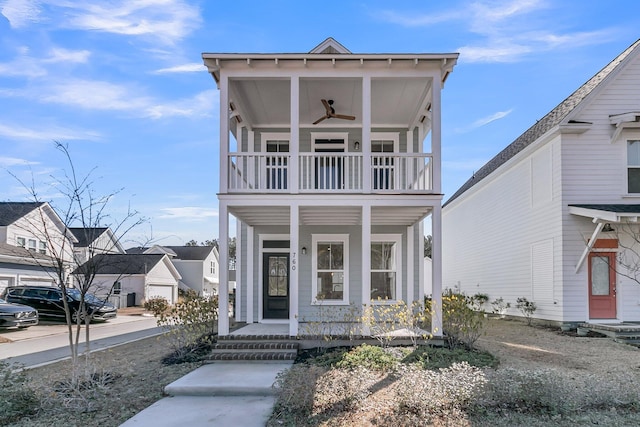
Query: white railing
pixel 329 172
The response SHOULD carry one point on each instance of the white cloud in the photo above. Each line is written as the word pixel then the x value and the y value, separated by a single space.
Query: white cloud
pixel 21 12
pixel 188 213
pixel 492 118
pixel 200 105
pixel 28 66
pixel 66 56
pixel 418 20
pixel 6 162
pixel 40 133
pixel 185 68
pixel 164 21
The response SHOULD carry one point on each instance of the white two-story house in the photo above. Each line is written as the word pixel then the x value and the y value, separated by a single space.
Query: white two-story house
pixel 329 163
pixel 553 217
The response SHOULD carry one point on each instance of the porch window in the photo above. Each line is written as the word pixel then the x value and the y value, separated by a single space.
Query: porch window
pixel 385 255
pixel 383 147
pixel 330 269
pixel 633 166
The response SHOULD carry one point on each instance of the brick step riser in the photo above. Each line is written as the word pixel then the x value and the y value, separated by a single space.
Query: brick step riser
pixel 252 356
pixel 253 350
pixel 255 346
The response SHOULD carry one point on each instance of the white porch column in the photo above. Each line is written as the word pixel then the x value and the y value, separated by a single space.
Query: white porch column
pixel 411 262
pixel 224 133
pixel 366 254
pixel 223 246
pixel 421 264
pixel 294 144
pixel 436 135
pixel 250 282
pixel 436 274
pixel 294 243
pixel 239 267
pixel 366 135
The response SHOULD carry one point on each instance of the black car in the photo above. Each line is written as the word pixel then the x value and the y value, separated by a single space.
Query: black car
pixel 48 301
pixel 18 315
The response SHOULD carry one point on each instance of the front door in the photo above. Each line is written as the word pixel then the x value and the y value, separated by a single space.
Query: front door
pixel 602 285
pixel 275 285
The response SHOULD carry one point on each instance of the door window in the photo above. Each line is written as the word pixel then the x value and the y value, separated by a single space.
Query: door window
pixel 276 165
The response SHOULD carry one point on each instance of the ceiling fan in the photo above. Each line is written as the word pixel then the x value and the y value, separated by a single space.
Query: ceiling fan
pixel 331 112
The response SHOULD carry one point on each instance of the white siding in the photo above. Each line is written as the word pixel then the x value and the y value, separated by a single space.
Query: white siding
pixel 489 232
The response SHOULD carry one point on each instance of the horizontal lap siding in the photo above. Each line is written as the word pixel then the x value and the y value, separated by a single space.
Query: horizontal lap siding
pixel 594 171
pixel 488 233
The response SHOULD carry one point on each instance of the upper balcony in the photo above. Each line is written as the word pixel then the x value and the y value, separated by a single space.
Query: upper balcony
pixel 329 173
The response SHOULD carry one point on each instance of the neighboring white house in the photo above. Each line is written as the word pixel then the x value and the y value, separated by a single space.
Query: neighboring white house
pixel 548 218
pixel 32 236
pixel 329 162
pixel 146 275
pixel 198 265
pixel 94 240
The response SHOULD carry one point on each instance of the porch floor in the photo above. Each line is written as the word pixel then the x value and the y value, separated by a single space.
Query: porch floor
pixel 261 329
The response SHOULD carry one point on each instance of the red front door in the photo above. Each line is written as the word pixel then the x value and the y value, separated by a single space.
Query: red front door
pixel 602 285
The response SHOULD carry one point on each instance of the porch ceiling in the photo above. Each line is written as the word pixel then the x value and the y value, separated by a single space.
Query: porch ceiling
pixel 266 102
pixel 330 215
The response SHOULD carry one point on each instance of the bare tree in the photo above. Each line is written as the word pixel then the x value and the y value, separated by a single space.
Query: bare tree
pixel 80 207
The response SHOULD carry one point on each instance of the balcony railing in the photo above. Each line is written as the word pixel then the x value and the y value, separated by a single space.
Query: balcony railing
pixel 329 172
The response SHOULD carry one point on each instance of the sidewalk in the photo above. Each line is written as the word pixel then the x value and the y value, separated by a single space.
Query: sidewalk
pixel 219 394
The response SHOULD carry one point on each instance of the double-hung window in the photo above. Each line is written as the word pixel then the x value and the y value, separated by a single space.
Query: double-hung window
pixel 385 267
pixel 633 166
pixel 330 269
pixel 21 241
pixel 32 244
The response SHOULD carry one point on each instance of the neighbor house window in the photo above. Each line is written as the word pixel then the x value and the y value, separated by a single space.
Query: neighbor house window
pixel 21 241
pixel 212 268
pixel 117 287
pixel 385 262
pixel 43 247
pixel 633 166
pixel 330 268
pixel 32 244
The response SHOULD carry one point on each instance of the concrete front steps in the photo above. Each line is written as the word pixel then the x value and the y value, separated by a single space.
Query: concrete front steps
pixel 255 347
pixel 625 332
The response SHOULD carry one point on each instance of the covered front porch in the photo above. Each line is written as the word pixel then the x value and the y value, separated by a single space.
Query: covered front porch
pixel 287 229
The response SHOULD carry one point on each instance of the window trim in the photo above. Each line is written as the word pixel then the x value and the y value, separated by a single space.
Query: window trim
pixel 387 238
pixel 628 166
pixel 266 137
pixel 337 238
pixel 24 242
pixel 386 136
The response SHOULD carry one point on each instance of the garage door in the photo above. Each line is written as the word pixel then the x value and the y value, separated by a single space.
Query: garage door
pixel 4 282
pixel 37 282
pixel 165 292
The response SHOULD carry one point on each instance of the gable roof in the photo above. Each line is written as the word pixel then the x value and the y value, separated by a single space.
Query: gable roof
pixel 125 263
pixel 330 45
pixel 10 212
pixel 191 252
pixel 548 122
pixel 87 235
pixel 19 255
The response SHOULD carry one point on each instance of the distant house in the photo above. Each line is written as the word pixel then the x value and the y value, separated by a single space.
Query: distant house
pixel 198 265
pixel 554 216
pixel 94 240
pixel 31 236
pixel 145 275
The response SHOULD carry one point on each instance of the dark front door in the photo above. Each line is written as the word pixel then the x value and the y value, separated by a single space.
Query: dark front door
pixel 275 285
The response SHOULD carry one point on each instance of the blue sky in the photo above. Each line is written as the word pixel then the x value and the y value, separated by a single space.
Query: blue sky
pixel 122 83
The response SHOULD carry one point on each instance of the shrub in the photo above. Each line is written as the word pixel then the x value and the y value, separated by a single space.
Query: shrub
pixel 157 305
pixel 191 328
pixel 330 323
pixel 369 357
pixel 499 306
pixel 385 321
pixel 527 308
pixel 17 398
pixel 436 358
pixel 429 394
pixel 478 301
pixel 461 324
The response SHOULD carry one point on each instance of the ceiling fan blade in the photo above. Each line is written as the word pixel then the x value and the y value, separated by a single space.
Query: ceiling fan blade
pixel 320 119
pixel 342 116
pixel 327 106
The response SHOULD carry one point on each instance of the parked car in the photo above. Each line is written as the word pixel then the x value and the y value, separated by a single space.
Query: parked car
pixel 48 301
pixel 18 315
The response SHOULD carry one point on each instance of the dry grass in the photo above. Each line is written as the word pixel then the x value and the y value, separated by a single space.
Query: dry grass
pixel 128 378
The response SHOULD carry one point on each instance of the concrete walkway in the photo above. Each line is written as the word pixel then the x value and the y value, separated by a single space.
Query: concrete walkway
pixel 219 394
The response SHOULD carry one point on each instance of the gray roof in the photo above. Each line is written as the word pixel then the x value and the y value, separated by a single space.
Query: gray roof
pixel 24 256
pixel 87 235
pixel 124 263
pixel 552 119
pixel 617 208
pixel 10 212
pixel 191 252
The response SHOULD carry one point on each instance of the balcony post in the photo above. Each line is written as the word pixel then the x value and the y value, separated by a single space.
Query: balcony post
pixel 366 134
pixel 224 134
pixel 436 135
pixel 294 145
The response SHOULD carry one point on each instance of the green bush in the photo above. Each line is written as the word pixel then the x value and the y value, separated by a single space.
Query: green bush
pixel 461 324
pixel 527 308
pixel 17 398
pixel 436 358
pixel 157 305
pixel 368 356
